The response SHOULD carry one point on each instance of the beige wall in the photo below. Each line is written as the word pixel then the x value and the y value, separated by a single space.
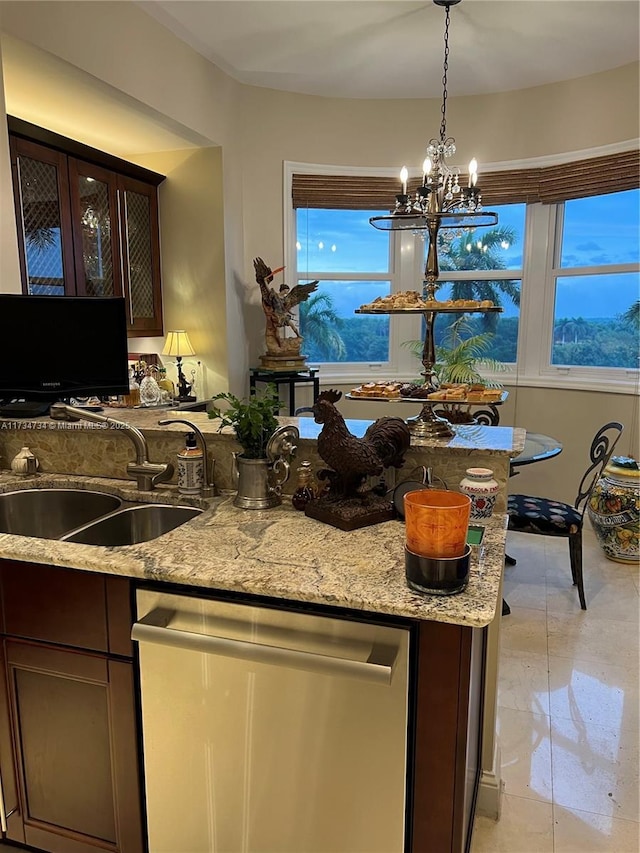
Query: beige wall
pixel 194 298
pixel 222 206
pixel 177 88
pixel 9 265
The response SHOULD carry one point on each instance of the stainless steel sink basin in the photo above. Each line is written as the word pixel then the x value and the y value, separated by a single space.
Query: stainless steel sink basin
pixel 49 513
pixel 133 524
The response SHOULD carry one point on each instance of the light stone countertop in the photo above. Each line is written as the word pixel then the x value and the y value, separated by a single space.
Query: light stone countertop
pixel 277 553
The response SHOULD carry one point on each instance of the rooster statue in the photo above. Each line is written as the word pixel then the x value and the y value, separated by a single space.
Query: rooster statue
pixel 351 460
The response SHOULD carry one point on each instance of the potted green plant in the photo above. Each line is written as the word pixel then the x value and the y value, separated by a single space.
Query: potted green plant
pixel 460 358
pixel 254 420
pixel 262 467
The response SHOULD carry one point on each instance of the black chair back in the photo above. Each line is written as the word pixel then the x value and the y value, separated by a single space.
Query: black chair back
pixel 602 448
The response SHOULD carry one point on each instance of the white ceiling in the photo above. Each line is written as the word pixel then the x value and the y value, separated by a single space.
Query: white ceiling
pixel 361 48
pixel 394 48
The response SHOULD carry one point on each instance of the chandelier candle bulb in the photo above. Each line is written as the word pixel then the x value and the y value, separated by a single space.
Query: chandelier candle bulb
pixel 404 175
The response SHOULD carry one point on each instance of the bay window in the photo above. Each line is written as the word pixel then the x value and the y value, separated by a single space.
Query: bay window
pixel 563 262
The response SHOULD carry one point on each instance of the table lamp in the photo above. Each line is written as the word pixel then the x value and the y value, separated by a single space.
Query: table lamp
pixel 176 345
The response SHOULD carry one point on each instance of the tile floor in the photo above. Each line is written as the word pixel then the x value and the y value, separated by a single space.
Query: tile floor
pixel 568 715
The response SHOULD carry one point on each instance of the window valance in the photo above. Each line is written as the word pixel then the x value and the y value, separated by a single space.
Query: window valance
pixel 546 184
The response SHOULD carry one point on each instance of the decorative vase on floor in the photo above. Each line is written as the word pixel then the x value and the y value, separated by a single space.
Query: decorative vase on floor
pixel 479 485
pixel 614 510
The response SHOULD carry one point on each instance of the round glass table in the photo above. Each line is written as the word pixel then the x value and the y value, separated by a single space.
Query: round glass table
pixel 537 447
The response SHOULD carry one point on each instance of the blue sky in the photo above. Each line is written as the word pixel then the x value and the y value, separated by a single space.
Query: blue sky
pixel 600 230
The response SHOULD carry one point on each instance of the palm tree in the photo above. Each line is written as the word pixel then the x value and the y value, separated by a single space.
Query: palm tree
pixel 319 326
pixel 480 251
pixel 571 327
pixel 461 355
pixel 632 314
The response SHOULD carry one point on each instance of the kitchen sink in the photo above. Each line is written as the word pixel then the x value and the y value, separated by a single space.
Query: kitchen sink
pixel 133 524
pixel 49 513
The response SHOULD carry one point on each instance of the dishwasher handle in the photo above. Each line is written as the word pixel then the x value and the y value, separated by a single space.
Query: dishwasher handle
pixel 377 668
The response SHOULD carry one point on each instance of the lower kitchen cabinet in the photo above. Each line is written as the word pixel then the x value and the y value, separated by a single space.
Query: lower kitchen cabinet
pixel 68 739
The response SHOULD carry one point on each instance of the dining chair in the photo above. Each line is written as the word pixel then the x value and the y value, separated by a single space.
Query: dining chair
pixel 547 517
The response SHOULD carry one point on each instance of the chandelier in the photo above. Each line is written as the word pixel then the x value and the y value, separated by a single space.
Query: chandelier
pixel 442 200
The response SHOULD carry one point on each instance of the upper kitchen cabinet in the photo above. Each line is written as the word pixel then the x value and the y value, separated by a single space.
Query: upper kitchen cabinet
pixel 87 224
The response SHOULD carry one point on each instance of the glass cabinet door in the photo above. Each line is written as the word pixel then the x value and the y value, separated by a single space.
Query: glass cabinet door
pixel 88 230
pixel 95 217
pixel 43 216
pixel 141 254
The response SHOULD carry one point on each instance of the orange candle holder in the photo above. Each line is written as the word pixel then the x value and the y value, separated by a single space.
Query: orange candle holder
pixel 437 522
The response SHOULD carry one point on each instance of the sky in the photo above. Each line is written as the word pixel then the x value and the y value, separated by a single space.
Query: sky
pixel 597 231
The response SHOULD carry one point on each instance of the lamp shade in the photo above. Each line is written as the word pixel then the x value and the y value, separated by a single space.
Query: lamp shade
pixel 178 344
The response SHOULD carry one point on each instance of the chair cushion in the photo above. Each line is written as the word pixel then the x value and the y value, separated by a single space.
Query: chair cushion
pixel 540 515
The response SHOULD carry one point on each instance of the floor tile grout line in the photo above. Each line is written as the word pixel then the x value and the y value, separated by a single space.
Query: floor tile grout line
pixel 546 623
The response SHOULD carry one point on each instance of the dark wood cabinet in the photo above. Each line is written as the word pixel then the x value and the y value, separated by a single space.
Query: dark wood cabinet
pixel 68 735
pixel 86 227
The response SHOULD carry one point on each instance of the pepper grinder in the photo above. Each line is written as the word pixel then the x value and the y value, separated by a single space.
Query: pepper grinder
pixel 304 490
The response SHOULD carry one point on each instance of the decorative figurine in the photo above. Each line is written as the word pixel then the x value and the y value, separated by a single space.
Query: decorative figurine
pixel 350 502
pixel 283 350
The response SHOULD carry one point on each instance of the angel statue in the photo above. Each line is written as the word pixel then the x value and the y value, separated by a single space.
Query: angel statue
pixel 282 336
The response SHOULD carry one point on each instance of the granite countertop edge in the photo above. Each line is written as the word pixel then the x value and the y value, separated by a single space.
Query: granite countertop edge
pixel 276 553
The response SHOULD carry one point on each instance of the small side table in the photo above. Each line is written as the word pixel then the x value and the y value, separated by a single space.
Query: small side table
pixel 285 377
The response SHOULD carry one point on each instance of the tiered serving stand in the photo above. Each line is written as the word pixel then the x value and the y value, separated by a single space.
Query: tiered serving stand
pixel 428 424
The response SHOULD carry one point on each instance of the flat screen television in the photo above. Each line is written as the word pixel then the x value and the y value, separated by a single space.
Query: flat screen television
pixel 57 347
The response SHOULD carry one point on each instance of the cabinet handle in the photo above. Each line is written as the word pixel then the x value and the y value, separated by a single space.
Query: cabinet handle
pixel 378 668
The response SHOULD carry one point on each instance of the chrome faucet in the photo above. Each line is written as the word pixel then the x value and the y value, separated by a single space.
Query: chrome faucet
pixel 146 474
pixel 208 490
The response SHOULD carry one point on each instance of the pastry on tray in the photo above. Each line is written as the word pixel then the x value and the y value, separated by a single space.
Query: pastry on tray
pixel 390 390
pixel 415 391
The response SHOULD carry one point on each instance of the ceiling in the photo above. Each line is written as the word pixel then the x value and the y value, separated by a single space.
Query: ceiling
pixel 394 48
pixel 353 49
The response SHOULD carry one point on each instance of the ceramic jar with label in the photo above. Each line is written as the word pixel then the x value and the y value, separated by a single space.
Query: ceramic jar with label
pixel 479 485
pixel 24 462
pixel 614 510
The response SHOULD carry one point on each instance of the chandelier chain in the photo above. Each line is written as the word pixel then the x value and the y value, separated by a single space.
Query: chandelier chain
pixel 445 68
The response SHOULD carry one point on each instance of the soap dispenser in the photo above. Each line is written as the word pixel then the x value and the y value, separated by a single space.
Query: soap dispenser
pixel 190 467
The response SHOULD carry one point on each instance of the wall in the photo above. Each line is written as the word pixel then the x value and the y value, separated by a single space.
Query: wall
pixel 175 87
pixel 9 264
pixel 257 129
pixel 194 298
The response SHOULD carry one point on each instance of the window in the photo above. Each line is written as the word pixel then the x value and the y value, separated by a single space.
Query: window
pixel 342 250
pixel 354 264
pixel 595 284
pixel 565 272
pixel 485 264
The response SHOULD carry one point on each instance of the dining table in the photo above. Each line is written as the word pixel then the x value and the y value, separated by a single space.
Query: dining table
pixel 537 448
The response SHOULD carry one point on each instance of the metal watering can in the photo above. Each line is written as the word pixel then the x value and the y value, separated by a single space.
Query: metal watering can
pixel 259 481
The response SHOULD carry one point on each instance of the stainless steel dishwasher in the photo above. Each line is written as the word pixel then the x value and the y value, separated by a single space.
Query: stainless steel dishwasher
pixel 268 731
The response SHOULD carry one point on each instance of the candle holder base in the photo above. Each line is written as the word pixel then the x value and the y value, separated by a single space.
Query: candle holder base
pixel 437 576
pixel 429 425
